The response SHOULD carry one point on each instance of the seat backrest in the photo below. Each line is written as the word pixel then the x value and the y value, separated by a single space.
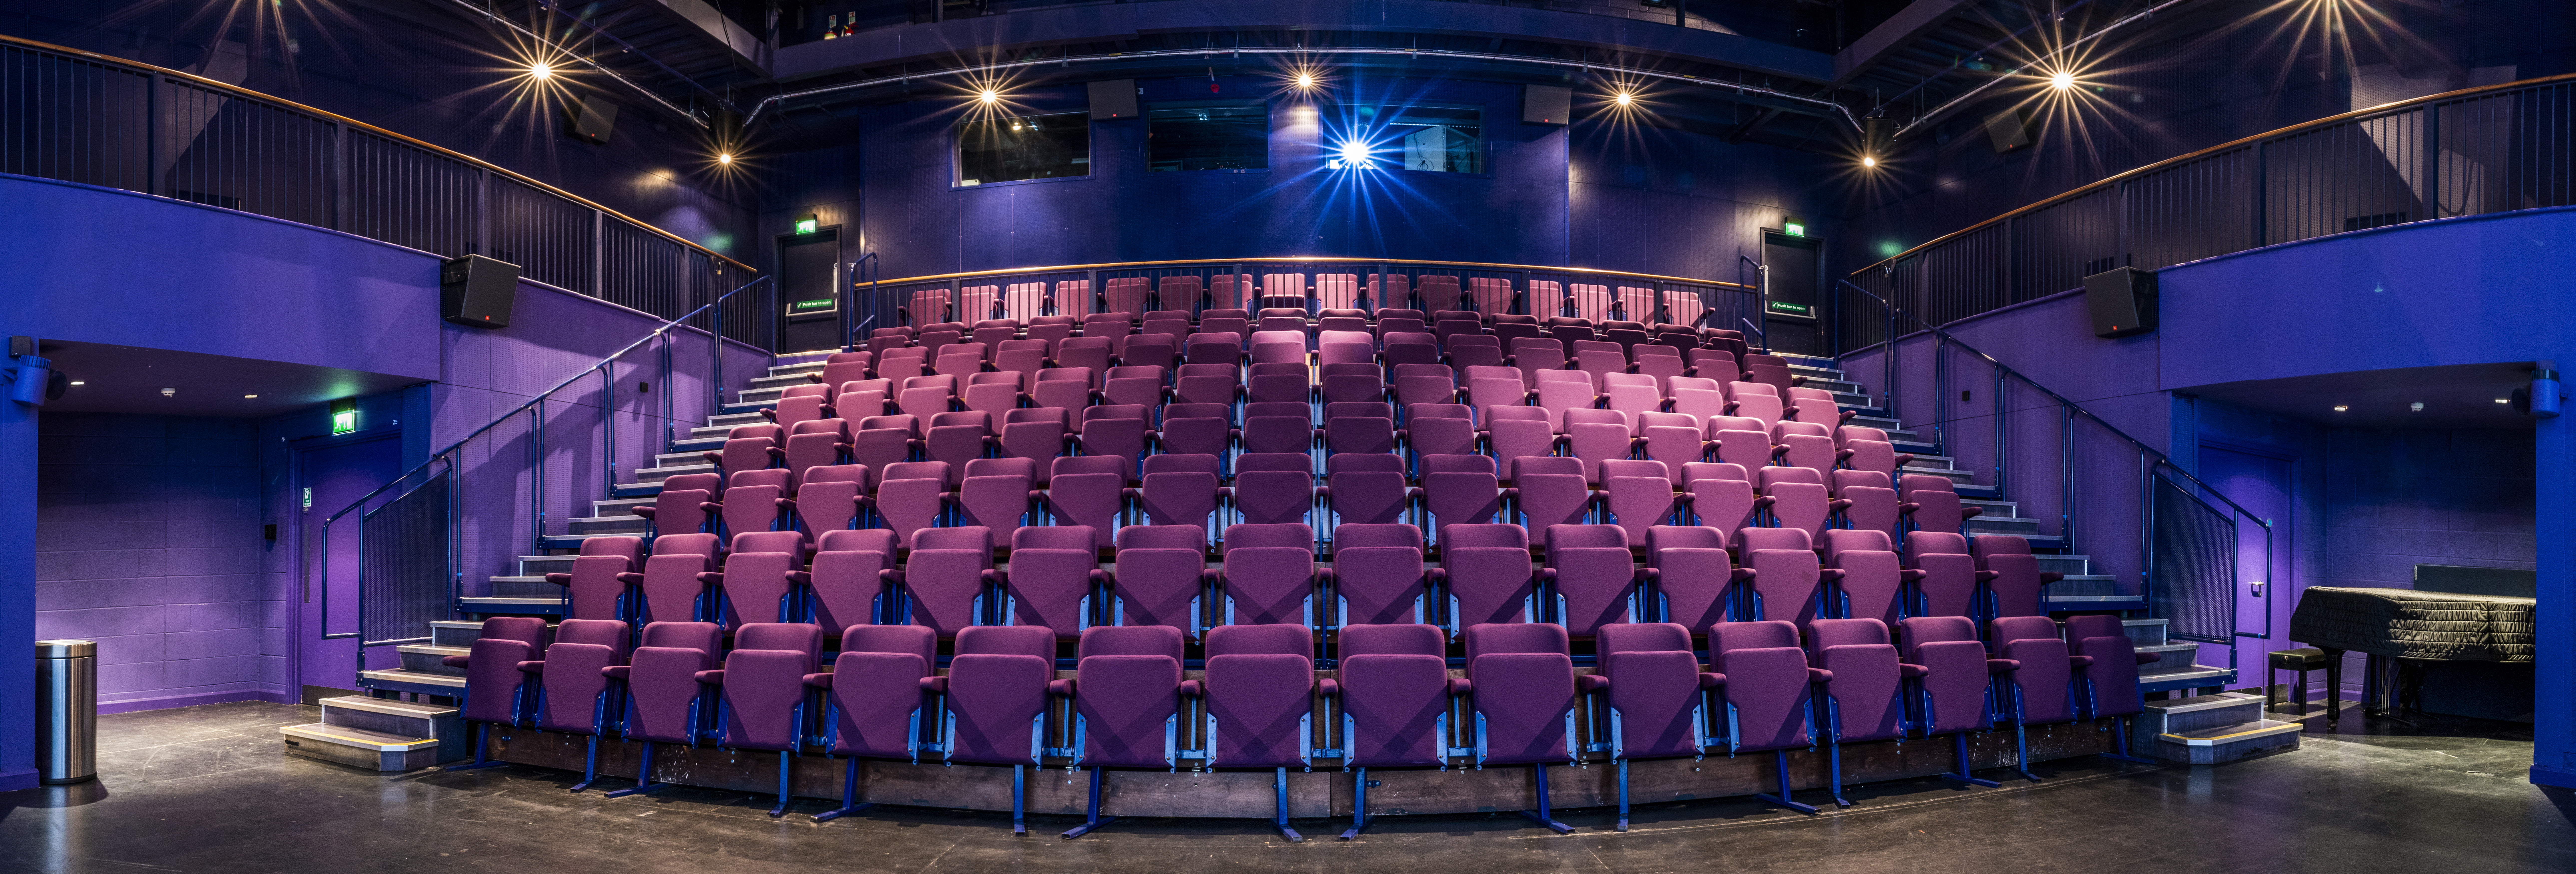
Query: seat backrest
pixel 1662 537
pixel 1752 635
pixel 1773 538
pixel 1363 536
pixel 912 639
pixel 700 636
pixel 2077 627
pixel 1920 630
pixel 1277 535
pixel 1491 535
pixel 1189 537
pixel 1822 633
pixel 1643 637
pixel 968 537
pixel 1274 461
pixel 1131 640
pixel 1997 544
pixel 1079 537
pixel 1515 637
pixel 1406 639
pixel 1259 640
pixel 2007 629
pixel 1189 463
pixel 1019 467
pixel 1841 540
pixel 1432 464
pixel 1033 640
pixel 801 637
pixel 1586 537
pixel 1540 465
pixel 1363 462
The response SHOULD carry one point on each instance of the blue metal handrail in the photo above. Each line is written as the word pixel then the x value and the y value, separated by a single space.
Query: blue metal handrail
pixel 447 457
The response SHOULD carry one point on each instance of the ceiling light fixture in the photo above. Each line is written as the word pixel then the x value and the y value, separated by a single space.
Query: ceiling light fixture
pixel 1305 81
pixel 2061 80
pixel 2417 406
pixel 2343 408
pixel 1868 161
pixel 540 71
pixel 80 382
pixel 725 158
pixel 989 97
pixel 247 397
pixel 169 392
pixel 2504 400
pixel 1624 98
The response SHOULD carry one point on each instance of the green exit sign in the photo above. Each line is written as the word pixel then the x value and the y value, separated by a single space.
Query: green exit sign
pixel 1795 309
pixel 809 305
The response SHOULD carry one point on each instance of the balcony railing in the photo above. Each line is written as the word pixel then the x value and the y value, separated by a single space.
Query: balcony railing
pixel 93 119
pixel 2470 152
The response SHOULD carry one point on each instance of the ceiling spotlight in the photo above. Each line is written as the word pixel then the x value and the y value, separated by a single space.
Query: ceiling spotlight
pixel 989 97
pixel 80 382
pixel 2061 80
pixel 1868 161
pixel 1624 98
pixel 1354 155
pixel 2343 408
pixel 540 71
pixel 1305 81
pixel 247 397
pixel 2417 406
pixel 2504 400
pixel 724 158
pixel 169 392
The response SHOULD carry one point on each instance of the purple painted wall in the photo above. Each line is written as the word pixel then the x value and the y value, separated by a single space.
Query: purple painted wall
pixel 148 541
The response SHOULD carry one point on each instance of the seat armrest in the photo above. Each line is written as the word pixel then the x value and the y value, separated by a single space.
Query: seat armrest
pixel 1585 683
pixel 453 661
pixel 2002 666
pixel 1912 672
pixel 712 678
pixel 935 684
pixel 1329 688
pixel 1193 689
pixel 819 681
pixel 614 672
pixel 1709 680
pixel 1819 675
pixel 1461 686
pixel 1060 688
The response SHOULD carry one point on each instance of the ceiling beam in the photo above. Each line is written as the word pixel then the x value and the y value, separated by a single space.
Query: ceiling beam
pixel 1909 24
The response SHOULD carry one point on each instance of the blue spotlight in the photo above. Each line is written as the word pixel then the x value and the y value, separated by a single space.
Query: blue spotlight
pixel 1353 154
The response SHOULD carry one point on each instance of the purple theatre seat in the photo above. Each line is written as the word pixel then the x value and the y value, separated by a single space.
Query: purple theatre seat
pixel 911 497
pixel 1138 385
pixel 1875 456
pixel 852 574
pixel 1868 579
pixel 1063 388
pixel 763 679
pixel 1268 575
pixel 1513 433
pixel 670 582
pixel 1488 575
pixel 1720 496
pixel 815 444
pixel 1932 505
pixel 757 500
pixel 755 585
pixel 1423 383
pixel 1956 691
pixel 1378 575
pixel 1179 489
pixel 1658 696
pixel 873 700
pixel 1768 705
pixel 884 441
pixel 676 510
pixel 1359 427
pixel 2014 582
pixel 1864 500
pixel 1277 427
pixel 1787 576
pixel 1195 429
pixel 1276 382
pixel 994 703
pixel 946 577
pixel 1672 439
pixel 1595 436
pixel 1207 384
pixel 1864 687
pixel 2107 663
pixel 1740 441
pixel 1393 685
pixel 2039 677
pixel 841 367
pixel 1695 583
pixel 1946 580
pixel 1459 490
pixel 665 703
pixel 1794 498
pixel 1160 577
pixel 1549 491
pixel 1638 494
pixel 1367 489
pixel 1126 695
pixel 1591 577
pixel 1114 431
pixel 593 589
pixel 958 437
pixel 1037 434
pixel 1520 683
pixel 1258 702
pixel 1089 491
pixel 1053 573
pixel 1274 488
pixel 496 690
pixel 574 693
pixel 751 447
pixel 831 498
pixel 996 494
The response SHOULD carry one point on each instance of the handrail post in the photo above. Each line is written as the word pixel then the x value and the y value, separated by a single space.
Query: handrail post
pixel 536 473
pixel 608 430
pixel 2001 433
pixel 2066 476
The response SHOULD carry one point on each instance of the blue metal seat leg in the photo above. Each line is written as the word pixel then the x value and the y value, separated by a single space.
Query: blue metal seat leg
pixel 786 773
pixel 1965 773
pixel 1280 783
pixel 1623 795
pixel 643 776
pixel 1359 806
pixel 849 796
pixel 589 765
pixel 482 750
pixel 1780 763
pixel 2120 741
pixel 1542 813
pixel 1834 756
pixel 1096 820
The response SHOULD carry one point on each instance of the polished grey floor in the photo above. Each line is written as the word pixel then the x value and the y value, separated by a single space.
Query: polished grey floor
pixel 206 789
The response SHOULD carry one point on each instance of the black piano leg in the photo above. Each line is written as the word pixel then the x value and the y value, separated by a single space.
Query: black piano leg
pixel 2334 687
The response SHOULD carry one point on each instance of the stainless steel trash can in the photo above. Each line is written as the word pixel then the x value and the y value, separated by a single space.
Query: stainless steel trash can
pixel 67 730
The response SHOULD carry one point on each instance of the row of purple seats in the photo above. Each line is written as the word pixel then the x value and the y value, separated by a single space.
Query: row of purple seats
pixel 1765 688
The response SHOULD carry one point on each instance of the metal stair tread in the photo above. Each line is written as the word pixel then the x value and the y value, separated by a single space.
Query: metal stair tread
pixel 387 706
pixel 2166 647
pixel 357 737
pixel 517 579
pixel 2219 734
pixel 396 675
pixel 2218 701
pixel 428 649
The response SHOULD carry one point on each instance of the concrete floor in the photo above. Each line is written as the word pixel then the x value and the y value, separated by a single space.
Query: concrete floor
pixel 206 789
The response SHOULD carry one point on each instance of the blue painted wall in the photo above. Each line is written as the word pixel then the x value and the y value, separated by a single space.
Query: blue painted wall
pixel 1598 194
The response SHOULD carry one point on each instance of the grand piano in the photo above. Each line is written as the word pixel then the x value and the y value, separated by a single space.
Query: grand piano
pixel 2455 614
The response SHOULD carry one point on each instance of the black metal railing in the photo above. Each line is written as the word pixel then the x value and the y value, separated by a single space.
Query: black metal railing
pixel 2481 150
pixel 1545 291
pixel 96 120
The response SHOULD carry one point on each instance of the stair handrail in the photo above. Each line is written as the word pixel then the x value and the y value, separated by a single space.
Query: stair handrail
pixel 2000 367
pixel 446 456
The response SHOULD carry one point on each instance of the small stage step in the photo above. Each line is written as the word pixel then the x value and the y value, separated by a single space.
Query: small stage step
pixel 2210 729
pixel 412 681
pixel 381 734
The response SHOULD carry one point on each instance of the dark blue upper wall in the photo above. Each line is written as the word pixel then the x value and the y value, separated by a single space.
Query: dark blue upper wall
pixel 447 83
pixel 1597 194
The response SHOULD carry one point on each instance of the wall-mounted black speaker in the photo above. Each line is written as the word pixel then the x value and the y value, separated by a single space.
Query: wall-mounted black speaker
pixel 2123 300
pixel 1115 98
pixel 478 291
pixel 1546 104
pixel 592 119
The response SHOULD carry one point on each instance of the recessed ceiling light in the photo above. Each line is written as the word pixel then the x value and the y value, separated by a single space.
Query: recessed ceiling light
pixel 2343 408
pixel 2417 406
pixel 80 382
pixel 167 392
pixel 541 71
pixel 2504 400
pixel 246 397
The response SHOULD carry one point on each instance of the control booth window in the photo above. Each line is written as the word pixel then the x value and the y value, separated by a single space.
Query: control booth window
pixel 1012 148
pixel 1432 138
pixel 1189 136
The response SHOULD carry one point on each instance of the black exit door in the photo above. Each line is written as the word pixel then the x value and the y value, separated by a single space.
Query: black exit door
pixel 809 288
